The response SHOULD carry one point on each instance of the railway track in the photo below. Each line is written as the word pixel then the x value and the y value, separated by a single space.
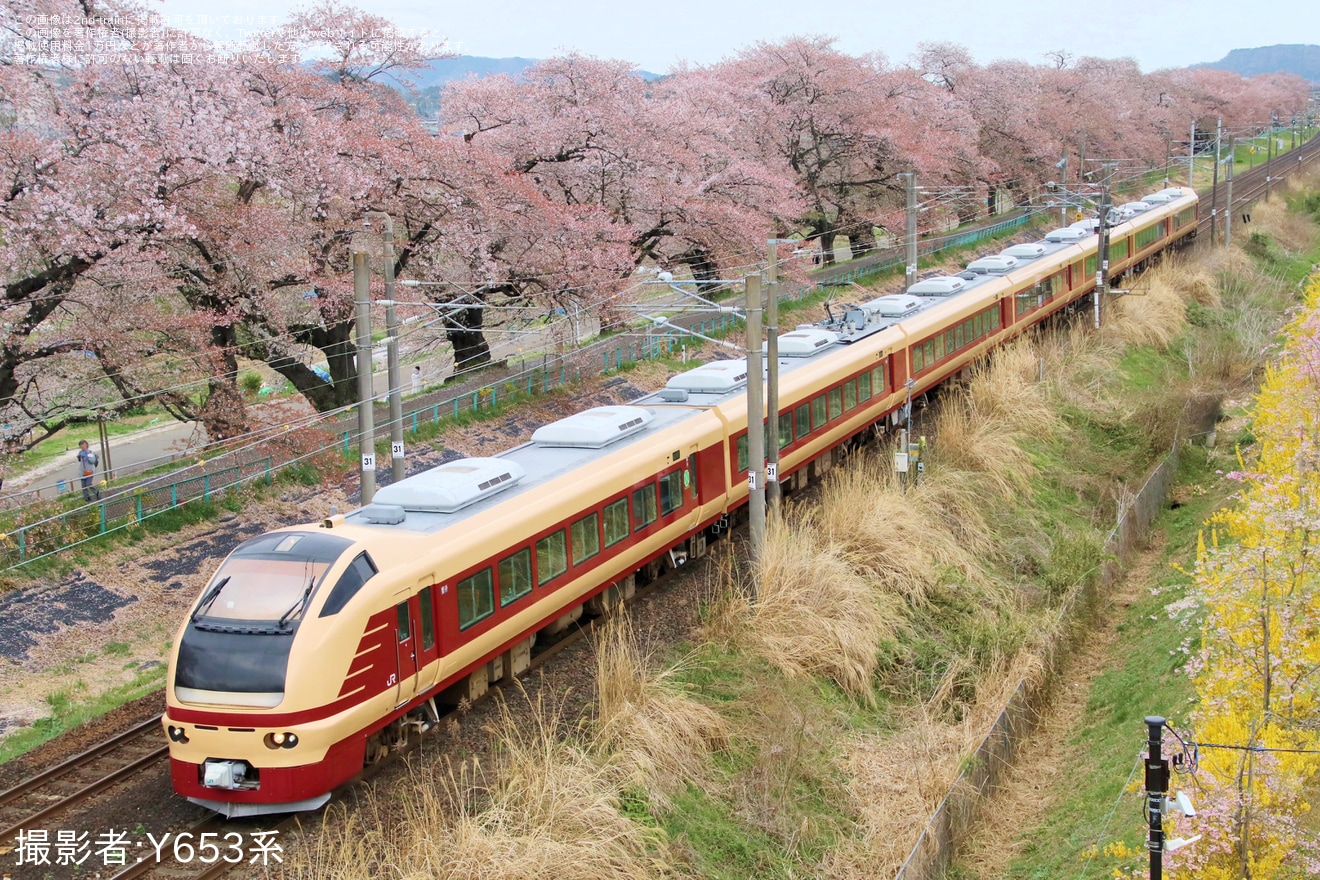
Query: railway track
pixel 58 790
pixel 1250 186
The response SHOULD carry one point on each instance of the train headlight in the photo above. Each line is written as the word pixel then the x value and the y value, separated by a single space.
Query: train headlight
pixel 177 734
pixel 282 740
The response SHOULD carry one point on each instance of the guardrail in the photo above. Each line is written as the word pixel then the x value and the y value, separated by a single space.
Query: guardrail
pixel 40 530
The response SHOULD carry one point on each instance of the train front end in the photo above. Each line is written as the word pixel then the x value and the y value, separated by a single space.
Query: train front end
pixel 243 740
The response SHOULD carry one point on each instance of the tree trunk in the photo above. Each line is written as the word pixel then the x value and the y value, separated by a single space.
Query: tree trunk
pixel 826 239
pixel 463 329
pixel 224 414
pixel 336 343
pixel 862 241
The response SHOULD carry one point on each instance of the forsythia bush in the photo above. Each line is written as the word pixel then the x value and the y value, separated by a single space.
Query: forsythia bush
pixel 1257 674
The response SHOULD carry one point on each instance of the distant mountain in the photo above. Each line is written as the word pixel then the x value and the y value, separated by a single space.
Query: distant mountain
pixel 1303 60
pixel 431 80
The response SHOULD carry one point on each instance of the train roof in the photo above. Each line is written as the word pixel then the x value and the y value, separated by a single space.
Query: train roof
pixel 446 495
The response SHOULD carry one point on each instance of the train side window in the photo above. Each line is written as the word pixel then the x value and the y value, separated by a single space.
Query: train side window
pixel 939 347
pixel 644 507
pixel 930 352
pixel 404 628
pixel 428 619
pixel 864 387
pixel 616 522
pixel 879 381
pixel 671 492
pixel 741 450
pixel 785 430
pixel 359 571
pixel 818 413
pixel 691 475
pixel 950 343
pixel 803 417
pixel 584 535
pixel 850 394
pixel 476 598
pixel 836 403
pixel 918 360
pixel 515 576
pixel 551 557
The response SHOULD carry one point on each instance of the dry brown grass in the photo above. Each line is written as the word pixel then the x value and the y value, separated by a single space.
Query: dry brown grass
pixel 1007 388
pixel 652 734
pixel 1152 314
pixel 815 613
pixel 899 539
pixel 546 809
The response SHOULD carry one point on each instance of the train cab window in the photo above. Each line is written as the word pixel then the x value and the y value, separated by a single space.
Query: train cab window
pixel 616 522
pixel 803 417
pixel 476 598
pixel 515 576
pixel 671 492
pixel 836 403
pixel 850 394
pixel 359 571
pixel 584 535
pixel 879 381
pixel 404 627
pixel 428 618
pixel 785 429
pixel 643 507
pixel 551 558
pixel 864 387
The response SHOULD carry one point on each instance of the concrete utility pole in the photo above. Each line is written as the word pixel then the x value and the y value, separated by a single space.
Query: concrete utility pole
pixel 1063 177
pixel 1102 270
pixel 1214 185
pixel 366 418
pixel 397 462
pixel 1228 211
pixel 755 426
pixel 910 231
pixel 773 489
pixel 1191 155
pixel 1269 158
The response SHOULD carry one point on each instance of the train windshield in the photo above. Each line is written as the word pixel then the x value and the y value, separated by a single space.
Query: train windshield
pixel 270 579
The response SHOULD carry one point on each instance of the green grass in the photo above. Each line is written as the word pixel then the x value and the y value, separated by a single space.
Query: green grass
pixel 69 710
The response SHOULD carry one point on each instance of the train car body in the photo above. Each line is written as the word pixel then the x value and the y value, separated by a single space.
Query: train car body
pixel 317 648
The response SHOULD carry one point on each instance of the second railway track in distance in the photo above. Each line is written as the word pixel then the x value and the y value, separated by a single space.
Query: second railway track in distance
pixel 38 800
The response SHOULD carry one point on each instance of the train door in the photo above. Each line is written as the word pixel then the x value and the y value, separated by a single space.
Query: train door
pixel 407 630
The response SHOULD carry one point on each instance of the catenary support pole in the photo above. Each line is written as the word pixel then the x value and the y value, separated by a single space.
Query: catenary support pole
pixel 366 418
pixel 398 469
pixel 1228 210
pixel 1191 156
pixel 910 231
pixel 755 428
pixel 1157 785
pixel 1214 185
pixel 773 489
pixel 1102 257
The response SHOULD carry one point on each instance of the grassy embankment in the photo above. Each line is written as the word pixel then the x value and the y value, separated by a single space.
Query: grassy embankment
pixel 811 733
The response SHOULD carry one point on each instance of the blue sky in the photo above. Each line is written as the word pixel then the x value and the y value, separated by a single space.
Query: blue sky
pixel 656 36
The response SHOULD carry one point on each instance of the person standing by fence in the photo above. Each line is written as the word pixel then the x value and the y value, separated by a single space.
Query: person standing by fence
pixel 87 462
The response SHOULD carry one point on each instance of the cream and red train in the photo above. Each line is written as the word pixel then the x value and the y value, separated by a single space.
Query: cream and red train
pixel 316 648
